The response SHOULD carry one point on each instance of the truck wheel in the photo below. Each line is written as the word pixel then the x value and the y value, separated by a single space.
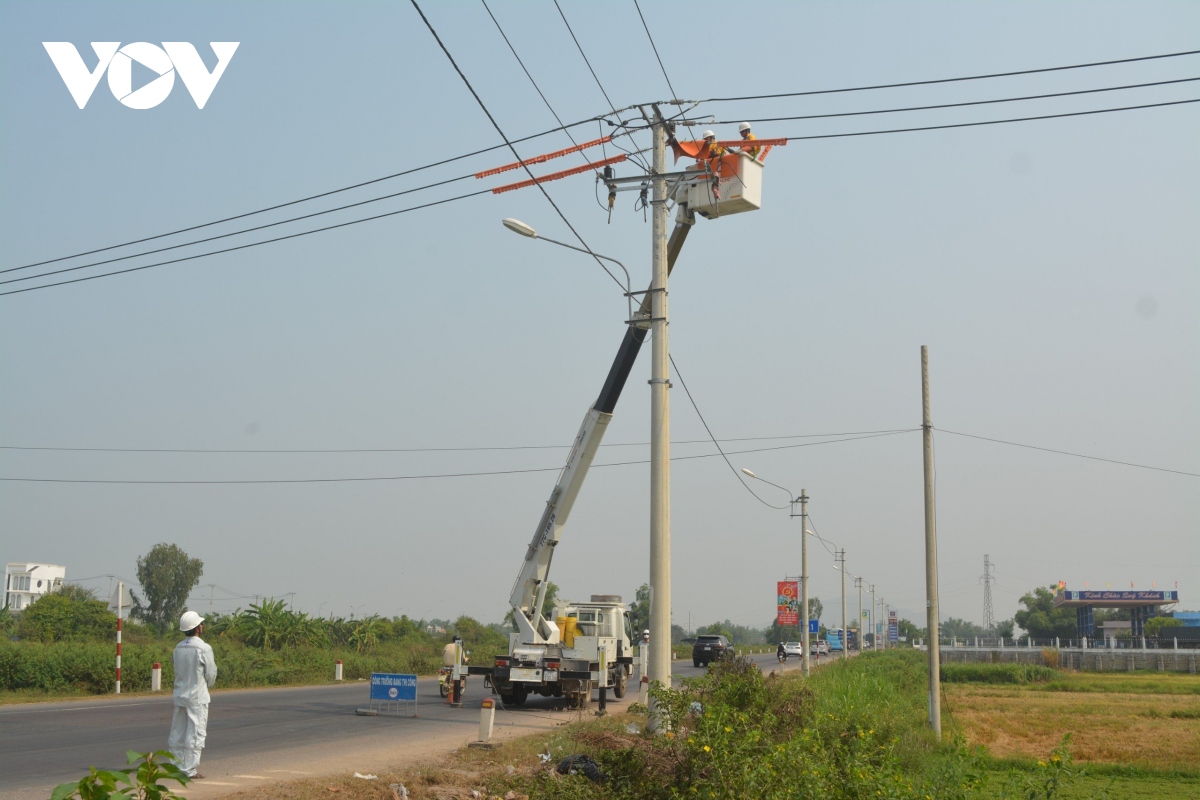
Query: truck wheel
pixel 519 696
pixel 619 685
pixel 696 662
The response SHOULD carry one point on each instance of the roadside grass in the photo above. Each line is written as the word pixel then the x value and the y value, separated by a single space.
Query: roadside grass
pixel 1123 683
pixel 997 673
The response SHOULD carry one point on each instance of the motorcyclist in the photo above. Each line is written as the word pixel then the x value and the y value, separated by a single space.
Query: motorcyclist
pixel 781 653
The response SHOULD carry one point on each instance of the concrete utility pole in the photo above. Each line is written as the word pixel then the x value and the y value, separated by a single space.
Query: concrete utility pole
pixel 931 581
pixel 845 630
pixel 887 623
pixel 859 583
pixel 874 635
pixel 804 662
pixel 660 426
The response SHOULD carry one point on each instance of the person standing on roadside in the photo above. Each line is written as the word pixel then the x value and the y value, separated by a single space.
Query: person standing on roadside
pixel 195 673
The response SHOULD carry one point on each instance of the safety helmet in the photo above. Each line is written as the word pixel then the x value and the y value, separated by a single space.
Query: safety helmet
pixel 190 620
pixel 745 126
pixel 709 135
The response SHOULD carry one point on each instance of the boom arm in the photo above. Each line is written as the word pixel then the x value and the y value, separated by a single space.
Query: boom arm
pixel 529 591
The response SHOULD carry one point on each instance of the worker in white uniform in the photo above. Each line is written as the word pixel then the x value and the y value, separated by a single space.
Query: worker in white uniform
pixel 195 673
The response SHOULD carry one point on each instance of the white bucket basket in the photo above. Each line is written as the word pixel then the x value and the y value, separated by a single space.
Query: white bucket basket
pixel 738 188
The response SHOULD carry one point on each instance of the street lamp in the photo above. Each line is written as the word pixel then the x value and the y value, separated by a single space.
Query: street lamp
pixel 803 501
pixel 845 628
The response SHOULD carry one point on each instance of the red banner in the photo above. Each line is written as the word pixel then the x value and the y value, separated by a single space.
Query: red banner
pixel 787 603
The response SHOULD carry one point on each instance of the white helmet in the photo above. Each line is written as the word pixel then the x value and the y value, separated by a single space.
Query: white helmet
pixel 745 126
pixel 190 620
pixel 709 135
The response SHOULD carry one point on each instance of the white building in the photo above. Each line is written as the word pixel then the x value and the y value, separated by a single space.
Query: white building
pixel 25 581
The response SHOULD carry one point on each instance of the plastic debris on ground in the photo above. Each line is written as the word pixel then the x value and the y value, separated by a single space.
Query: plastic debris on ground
pixel 581 765
pixel 367 777
pixel 398 791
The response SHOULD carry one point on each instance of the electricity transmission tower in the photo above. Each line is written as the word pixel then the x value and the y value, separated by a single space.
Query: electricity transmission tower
pixel 989 619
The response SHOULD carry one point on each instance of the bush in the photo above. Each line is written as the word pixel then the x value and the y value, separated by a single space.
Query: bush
pixel 997 673
pixel 62 617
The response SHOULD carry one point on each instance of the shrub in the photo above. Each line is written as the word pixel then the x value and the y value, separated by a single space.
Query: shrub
pixel 63 617
pixel 997 673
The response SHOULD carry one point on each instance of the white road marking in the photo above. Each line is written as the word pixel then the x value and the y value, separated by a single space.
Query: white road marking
pixel 254 777
pixel 292 771
pixel 80 708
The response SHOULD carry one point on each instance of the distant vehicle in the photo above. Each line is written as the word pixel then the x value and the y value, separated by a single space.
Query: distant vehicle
pixel 819 647
pixel 709 648
pixel 793 648
pixel 834 639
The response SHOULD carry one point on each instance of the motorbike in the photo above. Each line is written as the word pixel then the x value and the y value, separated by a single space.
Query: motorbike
pixel 445 679
pixel 782 656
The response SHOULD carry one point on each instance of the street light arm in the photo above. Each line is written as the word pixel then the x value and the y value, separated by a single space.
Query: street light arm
pixel 764 480
pixel 628 281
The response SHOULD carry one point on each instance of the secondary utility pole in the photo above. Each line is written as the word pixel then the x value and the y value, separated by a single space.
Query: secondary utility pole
pixel 931 581
pixel 989 619
pixel 660 427
pixel 804 658
pixel 874 630
pixel 859 583
pixel 845 631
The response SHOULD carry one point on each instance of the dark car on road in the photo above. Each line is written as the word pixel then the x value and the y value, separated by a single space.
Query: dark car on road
pixel 709 648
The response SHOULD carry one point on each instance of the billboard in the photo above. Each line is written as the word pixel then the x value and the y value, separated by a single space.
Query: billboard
pixel 787 603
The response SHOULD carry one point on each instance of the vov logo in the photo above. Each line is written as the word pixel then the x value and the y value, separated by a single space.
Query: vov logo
pixel 165 61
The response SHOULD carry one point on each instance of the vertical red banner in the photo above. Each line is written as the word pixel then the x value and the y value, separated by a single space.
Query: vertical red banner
pixel 787 603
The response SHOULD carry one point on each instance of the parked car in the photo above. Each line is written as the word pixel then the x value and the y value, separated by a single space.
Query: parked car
pixel 709 648
pixel 819 647
pixel 794 648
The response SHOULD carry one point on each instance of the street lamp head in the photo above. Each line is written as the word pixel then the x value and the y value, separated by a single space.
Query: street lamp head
pixel 748 472
pixel 516 226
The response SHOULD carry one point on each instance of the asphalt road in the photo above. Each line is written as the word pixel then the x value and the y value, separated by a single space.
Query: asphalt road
pixel 257 735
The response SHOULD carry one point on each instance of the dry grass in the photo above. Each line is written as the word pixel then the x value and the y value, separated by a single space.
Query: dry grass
pixel 1154 730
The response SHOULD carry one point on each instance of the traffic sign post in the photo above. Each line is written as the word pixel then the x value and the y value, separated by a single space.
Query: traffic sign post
pixel 390 691
pixel 814 626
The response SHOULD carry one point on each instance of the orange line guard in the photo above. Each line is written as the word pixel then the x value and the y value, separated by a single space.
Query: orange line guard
pixel 543 158
pixel 553 176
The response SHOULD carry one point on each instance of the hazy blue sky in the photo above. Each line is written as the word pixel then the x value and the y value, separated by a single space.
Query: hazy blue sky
pixel 1051 268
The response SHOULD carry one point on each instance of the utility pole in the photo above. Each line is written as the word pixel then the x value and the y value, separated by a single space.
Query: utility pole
pixel 845 631
pixel 859 583
pixel 931 580
pixel 874 634
pixel 804 658
pixel 660 426
pixel 989 619
pixel 887 623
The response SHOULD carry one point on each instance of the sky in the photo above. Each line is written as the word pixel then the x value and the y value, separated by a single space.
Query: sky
pixel 1049 266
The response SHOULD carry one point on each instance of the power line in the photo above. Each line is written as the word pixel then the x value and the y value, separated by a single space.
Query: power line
pixel 1074 455
pixel 440 449
pixel 302 199
pixel 960 105
pixel 239 232
pixel 437 475
pixel 245 246
pixel 952 80
pixel 717 444
pixel 585 58
pixel 991 122
pixel 660 66
pixel 516 155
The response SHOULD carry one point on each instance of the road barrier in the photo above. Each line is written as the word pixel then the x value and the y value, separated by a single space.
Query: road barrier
pixel 156 677
pixel 487 716
pixel 337 670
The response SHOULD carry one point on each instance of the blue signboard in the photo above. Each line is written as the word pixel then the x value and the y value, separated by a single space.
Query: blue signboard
pixel 814 626
pixel 893 633
pixel 386 686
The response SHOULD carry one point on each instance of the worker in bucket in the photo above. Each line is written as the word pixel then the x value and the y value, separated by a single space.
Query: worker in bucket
pixel 195 673
pixel 710 160
pixel 754 150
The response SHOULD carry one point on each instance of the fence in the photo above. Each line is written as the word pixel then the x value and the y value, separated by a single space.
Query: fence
pixel 1089 659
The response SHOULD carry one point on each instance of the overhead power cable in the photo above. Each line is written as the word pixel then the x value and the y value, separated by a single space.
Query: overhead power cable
pixel 660 62
pixel 248 245
pixel 359 185
pixel 988 122
pixel 235 233
pixel 443 449
pixel 953 80
pixel 963 104
pixel 1073 455
pixel 516 155
pixel 716 444
pixel 444 474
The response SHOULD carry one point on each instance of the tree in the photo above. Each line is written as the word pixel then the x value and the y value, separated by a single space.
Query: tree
pixel 1041 620
pixel 61 617
pixel 961 629
pixel 1004 629
pixel 814 607
pixel 639 611
pixel 550 603
pixel 909 631
pixel 1154 625
pixel 167 575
